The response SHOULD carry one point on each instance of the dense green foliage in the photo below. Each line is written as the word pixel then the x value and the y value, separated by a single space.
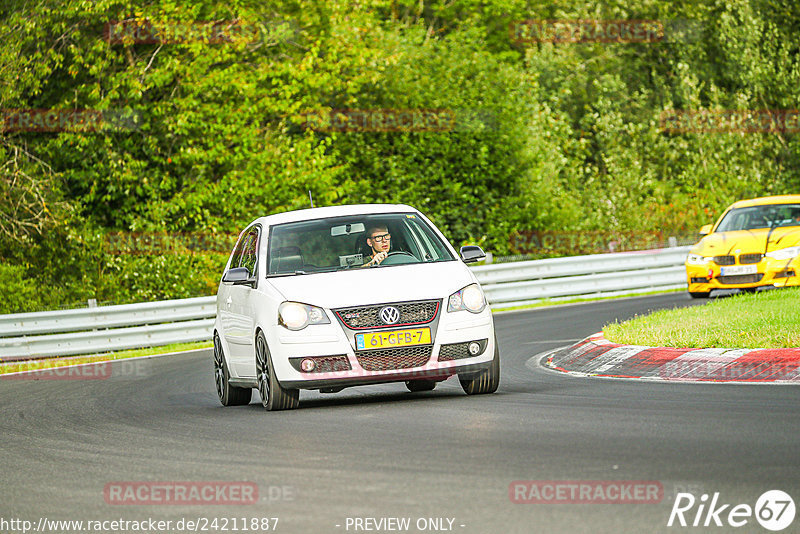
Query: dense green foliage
pixel 562 136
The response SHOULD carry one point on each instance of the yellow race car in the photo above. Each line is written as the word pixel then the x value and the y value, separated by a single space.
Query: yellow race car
pixel 756 243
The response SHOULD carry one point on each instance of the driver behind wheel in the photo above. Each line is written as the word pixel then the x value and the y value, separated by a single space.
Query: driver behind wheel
pixel 379 241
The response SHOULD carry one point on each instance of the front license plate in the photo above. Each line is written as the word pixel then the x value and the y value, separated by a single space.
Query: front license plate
pixel 739 269
pixel 393 338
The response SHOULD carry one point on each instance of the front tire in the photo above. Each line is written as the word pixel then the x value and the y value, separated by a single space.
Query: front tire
pixel 273 396
pixel 228 395
pixel 699 294
pixel 487 381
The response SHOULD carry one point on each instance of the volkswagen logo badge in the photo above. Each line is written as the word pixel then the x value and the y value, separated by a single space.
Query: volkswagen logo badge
pixel 389 315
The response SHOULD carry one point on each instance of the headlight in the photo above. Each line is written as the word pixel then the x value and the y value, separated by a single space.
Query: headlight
pixel 470 298
pixel 784 253
pixel 697 259
pixel 296 316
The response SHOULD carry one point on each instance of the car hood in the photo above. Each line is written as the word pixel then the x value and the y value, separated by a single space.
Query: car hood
pixel 746 241
pixel 358 287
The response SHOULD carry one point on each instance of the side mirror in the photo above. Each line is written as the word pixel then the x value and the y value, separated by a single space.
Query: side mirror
pixel 705 230
pixel 472 253
pixel 238 276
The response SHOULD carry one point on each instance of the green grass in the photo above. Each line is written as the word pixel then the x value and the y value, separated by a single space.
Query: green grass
pixel 769 319
pixel 49 363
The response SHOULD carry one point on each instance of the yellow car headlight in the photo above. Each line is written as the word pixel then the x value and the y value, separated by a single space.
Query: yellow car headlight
pixel 697 259
pixel 784 253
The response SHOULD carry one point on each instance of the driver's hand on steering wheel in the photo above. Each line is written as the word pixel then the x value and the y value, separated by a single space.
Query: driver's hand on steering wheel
pixel 377 258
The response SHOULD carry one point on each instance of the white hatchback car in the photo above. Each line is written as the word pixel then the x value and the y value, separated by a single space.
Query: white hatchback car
pixel 302 305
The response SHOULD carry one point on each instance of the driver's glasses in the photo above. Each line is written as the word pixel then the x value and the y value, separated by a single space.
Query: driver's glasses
pixel 382 238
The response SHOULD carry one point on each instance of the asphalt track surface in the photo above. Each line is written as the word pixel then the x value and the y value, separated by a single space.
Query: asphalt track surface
pixel 381 452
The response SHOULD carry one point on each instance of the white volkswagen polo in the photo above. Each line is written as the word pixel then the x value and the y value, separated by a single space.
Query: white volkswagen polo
pixel 327 298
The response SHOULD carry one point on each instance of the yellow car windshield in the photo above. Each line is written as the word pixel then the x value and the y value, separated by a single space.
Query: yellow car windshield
pixel 760 217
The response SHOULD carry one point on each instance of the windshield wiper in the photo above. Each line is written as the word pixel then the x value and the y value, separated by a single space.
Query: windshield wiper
pixel 772 227
pixel 278 275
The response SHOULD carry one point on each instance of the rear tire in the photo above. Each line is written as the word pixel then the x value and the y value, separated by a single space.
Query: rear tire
pixel 228 395
pixel 273 396
pixel 420 385
pixel 487 381
pixel 699 294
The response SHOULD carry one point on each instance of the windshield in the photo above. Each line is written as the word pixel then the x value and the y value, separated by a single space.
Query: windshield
pixel 756 217
pixel 340 243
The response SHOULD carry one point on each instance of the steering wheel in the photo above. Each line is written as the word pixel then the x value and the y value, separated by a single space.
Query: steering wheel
pixel 399 257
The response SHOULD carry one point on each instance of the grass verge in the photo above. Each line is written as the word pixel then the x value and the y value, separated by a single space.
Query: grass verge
pixel 767 319
pixel 50 363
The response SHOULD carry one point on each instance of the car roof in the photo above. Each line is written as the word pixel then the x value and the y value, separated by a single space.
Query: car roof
pixel 332 211
pixel 762 201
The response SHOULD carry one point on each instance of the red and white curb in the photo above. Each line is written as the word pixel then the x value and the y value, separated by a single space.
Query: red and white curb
pixel 596 356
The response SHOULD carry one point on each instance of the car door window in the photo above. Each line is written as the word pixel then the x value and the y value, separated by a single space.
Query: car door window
pixel 250 251
pixel 246 252
pixel 236 257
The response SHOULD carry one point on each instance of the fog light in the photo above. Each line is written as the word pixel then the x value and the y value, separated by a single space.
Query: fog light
pixel 474 348
pixel 308 365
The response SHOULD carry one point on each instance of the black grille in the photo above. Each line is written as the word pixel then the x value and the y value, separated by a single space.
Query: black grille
pixel 385 360
pixel 740 279
pixel 456 351
pixel 410 313
pixel 699 280
pixel 325 364
pixel 750 258
pixel 724 260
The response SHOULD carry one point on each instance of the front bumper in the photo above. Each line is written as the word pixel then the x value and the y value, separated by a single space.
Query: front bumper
pixel 769 273
pixel 436 361
pixel 411 374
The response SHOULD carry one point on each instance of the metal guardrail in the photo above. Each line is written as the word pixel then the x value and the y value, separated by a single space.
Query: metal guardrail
pixel 622 273
pixel 52 322
pixel 109 328
pixel 105 328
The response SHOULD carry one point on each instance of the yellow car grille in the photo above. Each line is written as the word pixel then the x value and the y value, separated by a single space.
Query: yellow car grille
pixel 740 279
pixel 744 259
